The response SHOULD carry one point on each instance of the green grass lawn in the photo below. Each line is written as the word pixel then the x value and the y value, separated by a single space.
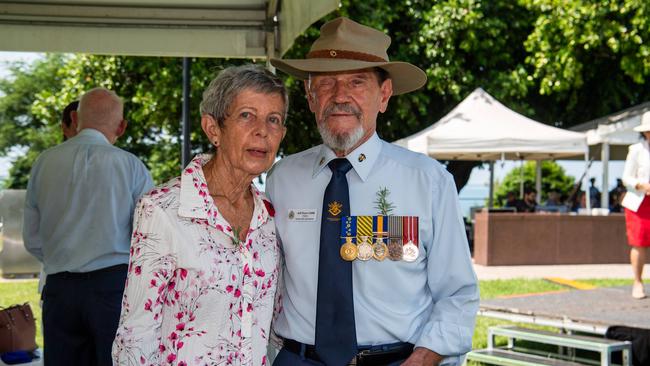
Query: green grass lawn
pixel 20 291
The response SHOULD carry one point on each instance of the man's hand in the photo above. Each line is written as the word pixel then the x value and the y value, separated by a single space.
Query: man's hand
pixel 423 357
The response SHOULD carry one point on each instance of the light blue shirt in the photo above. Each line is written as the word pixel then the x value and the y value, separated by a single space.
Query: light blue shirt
pixel 431 302
pixel 79 204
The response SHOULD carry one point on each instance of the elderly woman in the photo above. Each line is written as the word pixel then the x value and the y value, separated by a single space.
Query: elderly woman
pixel 636 176
pixel 204 256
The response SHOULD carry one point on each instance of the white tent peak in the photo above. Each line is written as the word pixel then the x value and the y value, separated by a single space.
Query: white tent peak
pixel 482 128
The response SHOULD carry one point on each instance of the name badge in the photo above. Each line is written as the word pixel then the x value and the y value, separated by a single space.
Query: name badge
pixel 302 214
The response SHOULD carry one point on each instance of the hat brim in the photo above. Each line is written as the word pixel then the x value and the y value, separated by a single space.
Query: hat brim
pixel 642 128
pixel 405 76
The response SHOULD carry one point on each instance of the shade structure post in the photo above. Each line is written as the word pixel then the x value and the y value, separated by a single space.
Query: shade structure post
pixel 538 179
pixel 491 196
pixel 585 179
pixel 604 191
pixel 521 179
pixel 186 149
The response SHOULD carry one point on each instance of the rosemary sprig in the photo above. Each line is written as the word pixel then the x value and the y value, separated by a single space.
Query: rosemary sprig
pixel 382 204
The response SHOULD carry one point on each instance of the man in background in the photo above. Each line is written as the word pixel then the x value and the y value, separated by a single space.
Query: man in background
pixel 69 130
pixel 78 213
pixel 69 120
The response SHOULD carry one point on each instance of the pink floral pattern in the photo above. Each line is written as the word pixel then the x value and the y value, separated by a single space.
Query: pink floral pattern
pixel 195 294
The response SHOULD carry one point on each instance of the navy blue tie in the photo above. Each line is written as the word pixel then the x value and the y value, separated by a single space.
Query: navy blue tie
pixel 336 337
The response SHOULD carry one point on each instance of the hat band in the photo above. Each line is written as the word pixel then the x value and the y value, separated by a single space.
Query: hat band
pixel 347 55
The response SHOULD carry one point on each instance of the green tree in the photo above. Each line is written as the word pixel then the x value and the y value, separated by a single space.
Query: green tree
pixel 553 177
pixel 559 62
pixel 26 129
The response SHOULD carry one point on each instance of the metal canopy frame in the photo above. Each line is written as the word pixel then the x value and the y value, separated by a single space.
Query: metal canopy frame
pixel 257 29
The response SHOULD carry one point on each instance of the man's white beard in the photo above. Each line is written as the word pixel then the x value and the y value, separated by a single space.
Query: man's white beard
pixel 343 142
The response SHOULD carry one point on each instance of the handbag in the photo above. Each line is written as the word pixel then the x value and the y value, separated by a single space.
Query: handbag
pixel 17 329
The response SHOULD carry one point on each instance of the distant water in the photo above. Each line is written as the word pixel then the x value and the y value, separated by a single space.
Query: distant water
pixel 473 195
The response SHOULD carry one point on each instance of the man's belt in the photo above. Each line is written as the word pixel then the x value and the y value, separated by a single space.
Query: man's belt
pixel 92 274
pixel 374 356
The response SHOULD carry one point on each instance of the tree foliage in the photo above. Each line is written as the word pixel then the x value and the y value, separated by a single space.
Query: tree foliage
pixel 559 62
pixel 553 177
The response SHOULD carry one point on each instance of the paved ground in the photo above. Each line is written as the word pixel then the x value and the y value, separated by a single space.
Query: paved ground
pixel 575 271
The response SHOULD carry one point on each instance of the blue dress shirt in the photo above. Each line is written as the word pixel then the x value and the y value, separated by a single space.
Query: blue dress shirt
pixel 79 204
pixel 431 302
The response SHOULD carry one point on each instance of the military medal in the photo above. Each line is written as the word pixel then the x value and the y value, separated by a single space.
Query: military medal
pixel 410 236
pixel 365 249
pixel 379 249
pixel 348 250
pixel 364 233
pixel 395 238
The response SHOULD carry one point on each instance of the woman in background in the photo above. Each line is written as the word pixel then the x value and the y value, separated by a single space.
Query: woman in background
pixel 636 176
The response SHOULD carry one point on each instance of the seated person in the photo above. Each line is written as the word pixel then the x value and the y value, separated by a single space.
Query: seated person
pixel 511 199
pixel 553 198
pixel 529 203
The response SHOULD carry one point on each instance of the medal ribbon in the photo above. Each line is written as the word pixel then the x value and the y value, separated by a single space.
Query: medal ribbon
pixel 378 225
pixel 348 227
pixel 364 227
pixel 410 230
pixel 395 226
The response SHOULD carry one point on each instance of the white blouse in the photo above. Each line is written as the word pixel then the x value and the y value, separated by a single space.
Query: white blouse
pixel 637 165
pixel 195 294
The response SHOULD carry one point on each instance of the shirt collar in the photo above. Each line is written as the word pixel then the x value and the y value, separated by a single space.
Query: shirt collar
pixel 196 202
pixel 94 134
pixel 362 158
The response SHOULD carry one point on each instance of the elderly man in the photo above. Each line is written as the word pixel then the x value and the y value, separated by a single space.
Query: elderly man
pixel 78 212
pixel 377 267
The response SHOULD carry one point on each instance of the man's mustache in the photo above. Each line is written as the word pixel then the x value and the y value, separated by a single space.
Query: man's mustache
pixel 341 107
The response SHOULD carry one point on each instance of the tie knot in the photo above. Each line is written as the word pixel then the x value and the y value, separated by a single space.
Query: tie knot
pixel 341 165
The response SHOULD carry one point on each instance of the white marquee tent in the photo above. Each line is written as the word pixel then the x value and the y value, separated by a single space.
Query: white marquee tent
pixel 609 137
pixel 481 128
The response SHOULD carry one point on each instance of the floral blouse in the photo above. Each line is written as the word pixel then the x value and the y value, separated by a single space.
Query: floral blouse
pixel 195 294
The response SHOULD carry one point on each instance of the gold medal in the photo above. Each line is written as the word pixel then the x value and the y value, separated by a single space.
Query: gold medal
pixel 364 248
pixel 348 250
pixel 379 250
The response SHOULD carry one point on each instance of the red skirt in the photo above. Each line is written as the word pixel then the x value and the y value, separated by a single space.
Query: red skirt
pixel 637 225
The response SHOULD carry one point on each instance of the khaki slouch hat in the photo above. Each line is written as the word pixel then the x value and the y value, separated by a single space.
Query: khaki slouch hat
pixel 345 45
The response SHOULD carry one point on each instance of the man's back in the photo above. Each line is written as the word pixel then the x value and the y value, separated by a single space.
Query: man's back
pixel 84 192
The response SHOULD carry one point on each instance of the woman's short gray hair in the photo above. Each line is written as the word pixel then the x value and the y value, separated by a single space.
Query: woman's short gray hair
pixel 233 80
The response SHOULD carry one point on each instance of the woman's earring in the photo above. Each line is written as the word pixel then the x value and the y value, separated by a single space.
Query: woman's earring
pixel 216 143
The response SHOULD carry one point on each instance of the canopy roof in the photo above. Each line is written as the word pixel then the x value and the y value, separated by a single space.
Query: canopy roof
pixel 200 28
pixel 481 128
pixel 616 129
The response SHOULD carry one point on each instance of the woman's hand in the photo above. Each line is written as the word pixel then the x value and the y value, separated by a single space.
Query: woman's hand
pixel 643 187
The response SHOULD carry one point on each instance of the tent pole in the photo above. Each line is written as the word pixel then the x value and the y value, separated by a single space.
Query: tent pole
pixel 491 196
pixel 604 191
pixel 521 179
pixel 585 179
pixel 185 155
pixel 538 179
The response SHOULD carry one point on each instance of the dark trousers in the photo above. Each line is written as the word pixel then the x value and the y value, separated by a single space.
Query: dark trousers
pixel 288 358
pixel 81 312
